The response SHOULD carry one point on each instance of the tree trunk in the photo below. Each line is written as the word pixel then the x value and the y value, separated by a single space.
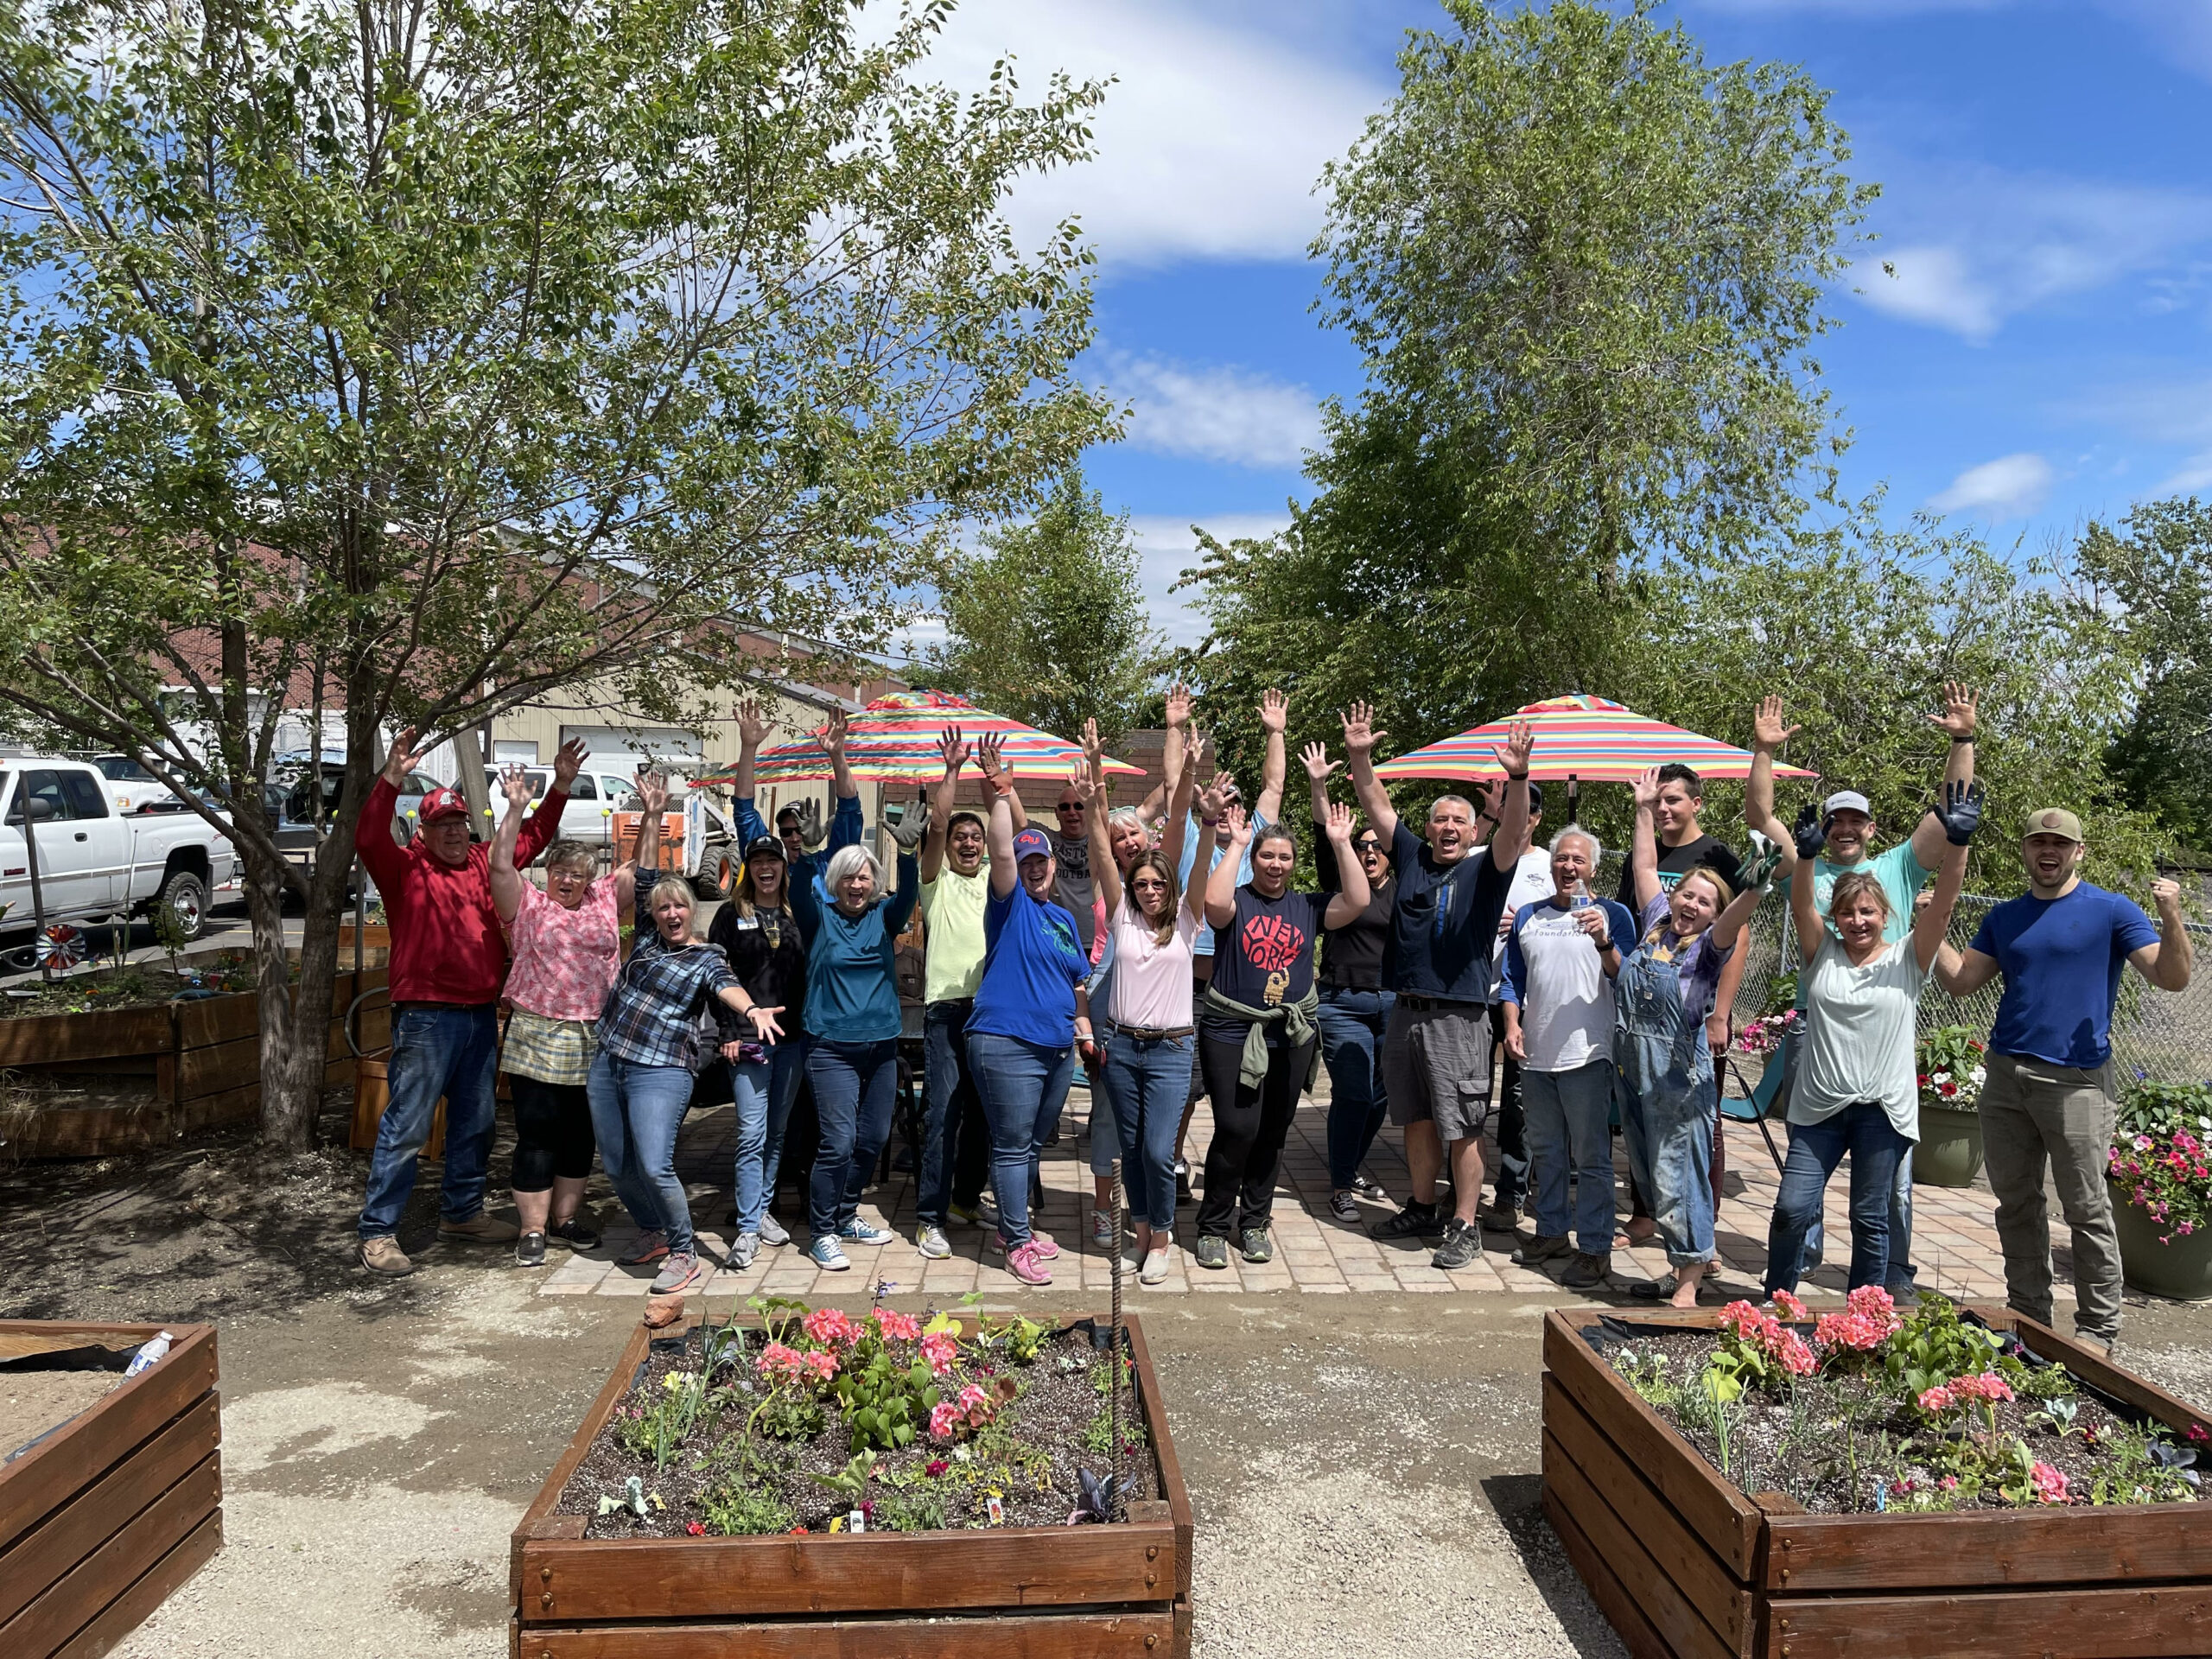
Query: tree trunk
pixel 295 1014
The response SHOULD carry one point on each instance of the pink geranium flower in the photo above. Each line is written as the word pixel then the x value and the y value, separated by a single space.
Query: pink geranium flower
pixel 896 1326
pixel 1936 1400
pixel 940 1351
pixel 1789 1307
pixel 831 1328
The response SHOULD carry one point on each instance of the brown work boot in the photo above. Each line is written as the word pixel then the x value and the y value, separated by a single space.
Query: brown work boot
pixel 1587 1271
pixel 480 1229
pixel 383 1255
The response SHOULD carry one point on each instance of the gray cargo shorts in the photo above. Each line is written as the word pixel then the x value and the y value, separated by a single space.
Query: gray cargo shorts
pixel 1436 1067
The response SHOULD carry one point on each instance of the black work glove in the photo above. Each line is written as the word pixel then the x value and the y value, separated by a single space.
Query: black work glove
pixel 1960 812
pixel 1812 835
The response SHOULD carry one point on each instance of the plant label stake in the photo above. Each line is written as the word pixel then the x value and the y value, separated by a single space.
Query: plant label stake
pixel 1114 1366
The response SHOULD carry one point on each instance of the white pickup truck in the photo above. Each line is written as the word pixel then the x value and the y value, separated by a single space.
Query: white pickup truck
pixel 93 860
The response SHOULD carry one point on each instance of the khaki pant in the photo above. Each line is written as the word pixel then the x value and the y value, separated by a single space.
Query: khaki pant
pixel 2036 1115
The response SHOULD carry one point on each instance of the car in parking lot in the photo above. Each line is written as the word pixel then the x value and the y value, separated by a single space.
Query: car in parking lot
pixel 594 799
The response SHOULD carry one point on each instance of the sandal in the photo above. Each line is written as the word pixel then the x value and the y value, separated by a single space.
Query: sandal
pixel 1662 1290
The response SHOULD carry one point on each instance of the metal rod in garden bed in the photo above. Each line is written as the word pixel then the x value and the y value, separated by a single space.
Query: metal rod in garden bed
pixel 1114 1504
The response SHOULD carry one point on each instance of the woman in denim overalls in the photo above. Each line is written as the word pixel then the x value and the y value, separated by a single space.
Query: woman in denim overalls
pixel 1665 1068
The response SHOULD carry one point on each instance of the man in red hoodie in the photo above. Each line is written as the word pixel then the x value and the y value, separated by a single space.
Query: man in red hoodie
pixel 449 960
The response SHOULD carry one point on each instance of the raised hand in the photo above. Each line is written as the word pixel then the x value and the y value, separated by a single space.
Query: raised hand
pixel 833 736
pixel 1319 767
pixel 514 784
pixel 1082 782
pixel 1240 827
pixel 1646 788
pixel 1810 833
pixel 989 755
pixel 1961 702
pixel 652 789
pixel 811 835
pixel 1178 706
pixel 1520 744
pixel 1959 811
pixel 911 825
pixel 1360 735
pixel 2165 894
pixel 402 758
pixel 1215 796
pixel 1337 825
pixel 1768 732
pixel 1094 751
pixel 1275 710
pixel 954 747
pixel 568 761
pixel 752 722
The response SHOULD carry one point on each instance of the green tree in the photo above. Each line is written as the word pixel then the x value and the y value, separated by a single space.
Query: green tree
pixel 1857 627
pixel 1048 623
pixel 436 353
pixel 2155 574
pixel 1585 270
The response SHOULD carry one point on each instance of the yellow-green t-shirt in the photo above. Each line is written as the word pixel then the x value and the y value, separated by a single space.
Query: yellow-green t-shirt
pixel 952 910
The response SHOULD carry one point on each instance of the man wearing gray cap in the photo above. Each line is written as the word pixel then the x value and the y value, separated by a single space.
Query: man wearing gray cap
pixel 1848 819
pixel 2048 1100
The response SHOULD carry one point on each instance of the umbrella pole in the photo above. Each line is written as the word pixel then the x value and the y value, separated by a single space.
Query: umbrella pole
pixel 1573 793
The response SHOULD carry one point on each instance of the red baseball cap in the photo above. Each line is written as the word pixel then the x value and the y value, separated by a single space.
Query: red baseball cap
pixel 442 804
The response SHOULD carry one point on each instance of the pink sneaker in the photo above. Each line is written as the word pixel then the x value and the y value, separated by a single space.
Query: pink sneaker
pixel 1041 1242
pixel 1023 1262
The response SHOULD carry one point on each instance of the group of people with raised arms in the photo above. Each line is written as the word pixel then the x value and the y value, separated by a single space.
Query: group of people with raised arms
pixel 1168 949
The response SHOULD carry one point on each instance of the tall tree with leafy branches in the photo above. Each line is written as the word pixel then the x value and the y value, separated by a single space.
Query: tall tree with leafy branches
pixel 1587 270
pixel 1047 623
pixel 419 357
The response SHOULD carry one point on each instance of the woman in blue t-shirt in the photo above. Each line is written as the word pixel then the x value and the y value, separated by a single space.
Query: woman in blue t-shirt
pixel 1021 1035
pixel 1257 1041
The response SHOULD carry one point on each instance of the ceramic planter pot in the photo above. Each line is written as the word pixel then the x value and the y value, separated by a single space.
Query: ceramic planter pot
pixel 1949 1152
pixel 2180 1271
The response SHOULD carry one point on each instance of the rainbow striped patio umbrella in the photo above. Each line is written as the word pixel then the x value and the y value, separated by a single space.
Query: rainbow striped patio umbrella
pixel 1582 740
pixel 894 740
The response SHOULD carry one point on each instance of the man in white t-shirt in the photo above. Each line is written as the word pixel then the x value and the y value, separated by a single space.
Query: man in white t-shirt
pixel 1562 956
pixel 1532 882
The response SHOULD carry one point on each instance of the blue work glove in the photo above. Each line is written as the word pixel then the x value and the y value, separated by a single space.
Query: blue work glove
pixel 1811 833
pixel 1960 812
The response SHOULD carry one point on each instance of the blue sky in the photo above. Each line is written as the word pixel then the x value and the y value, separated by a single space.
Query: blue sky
pixel 2043 356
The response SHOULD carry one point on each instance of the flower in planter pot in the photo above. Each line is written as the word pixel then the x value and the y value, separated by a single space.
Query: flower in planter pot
pixel 1950 1066
pixel 2161 1159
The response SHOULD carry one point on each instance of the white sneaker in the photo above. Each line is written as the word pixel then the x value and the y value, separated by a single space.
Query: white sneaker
pixel 1101 1228
pixel 772 1231
pixel 1155 1267
pixel 930 1240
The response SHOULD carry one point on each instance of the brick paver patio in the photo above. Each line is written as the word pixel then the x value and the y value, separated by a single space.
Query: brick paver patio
pixel 1954 1243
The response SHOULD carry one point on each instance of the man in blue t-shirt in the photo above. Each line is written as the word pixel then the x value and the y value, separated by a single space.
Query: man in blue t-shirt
pixel 2048 1099
pixel 1436 1050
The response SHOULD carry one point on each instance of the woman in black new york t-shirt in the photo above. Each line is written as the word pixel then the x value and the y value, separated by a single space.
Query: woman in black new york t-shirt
pixel 1257 1044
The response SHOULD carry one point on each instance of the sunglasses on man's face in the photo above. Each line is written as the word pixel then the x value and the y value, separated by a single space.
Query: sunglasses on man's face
pixel 1367 849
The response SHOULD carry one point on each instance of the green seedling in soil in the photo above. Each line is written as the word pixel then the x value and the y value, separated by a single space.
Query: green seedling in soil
pixel 851 1481
pixel 737 1511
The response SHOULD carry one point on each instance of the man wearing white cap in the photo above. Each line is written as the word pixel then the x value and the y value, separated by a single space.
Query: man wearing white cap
pixel 2048 1099
pixel 1849 818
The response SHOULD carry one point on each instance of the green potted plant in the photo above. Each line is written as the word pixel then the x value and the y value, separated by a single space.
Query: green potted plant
pixel 2160 1174
pixel 1949 1065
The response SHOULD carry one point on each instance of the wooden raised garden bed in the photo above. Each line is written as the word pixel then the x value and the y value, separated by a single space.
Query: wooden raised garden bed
pixel 1682 1563
pixel 1001 1593
pixel 107 1514
pixel 151 1075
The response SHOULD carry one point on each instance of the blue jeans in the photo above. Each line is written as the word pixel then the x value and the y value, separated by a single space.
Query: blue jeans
pixel 1351 1040
pixel 955 1141
pixel 635 1113
pixel 1023 1086
pixel 1901 1269
pixel 1863 1130
pixel 854 1085
pixel 1146 1080
pixel 762 1092
pixel 1566 1115
pixel 434 1051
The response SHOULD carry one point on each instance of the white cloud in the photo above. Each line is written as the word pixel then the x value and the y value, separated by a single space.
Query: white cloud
pixel 2182 28
pixel 1220 413
pixel 1209 140
pixel 2011 486
pixel 1975 245
pixel 1170 547
pixel 2193 477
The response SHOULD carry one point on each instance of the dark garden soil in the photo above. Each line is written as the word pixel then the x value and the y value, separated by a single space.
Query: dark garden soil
pixel 141 985
pixel 1028 1456
pixel 1838 1436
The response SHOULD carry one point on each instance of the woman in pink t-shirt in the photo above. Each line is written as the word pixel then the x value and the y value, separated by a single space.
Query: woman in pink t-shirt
pixel 1146 998
pixel 567 949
